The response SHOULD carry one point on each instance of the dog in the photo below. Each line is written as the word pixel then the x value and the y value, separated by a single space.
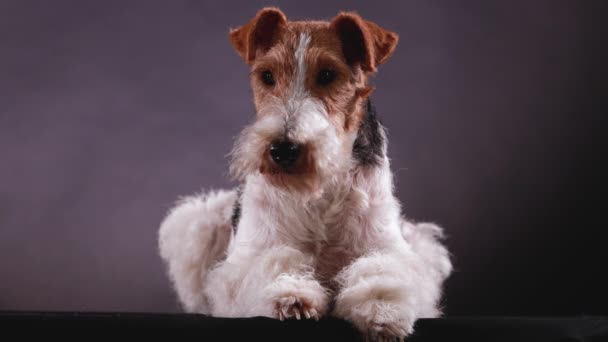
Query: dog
pixel 314 229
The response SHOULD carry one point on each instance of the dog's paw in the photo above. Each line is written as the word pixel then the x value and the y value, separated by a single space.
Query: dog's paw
pixel 381 321
pixel 297 296
pixel 294 307
pixel 381 332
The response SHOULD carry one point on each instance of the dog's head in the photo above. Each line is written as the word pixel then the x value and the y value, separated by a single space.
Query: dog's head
pixel 309 81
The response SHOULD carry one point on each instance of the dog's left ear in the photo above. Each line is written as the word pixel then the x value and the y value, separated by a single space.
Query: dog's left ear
pixel 259 34
pixel 364 42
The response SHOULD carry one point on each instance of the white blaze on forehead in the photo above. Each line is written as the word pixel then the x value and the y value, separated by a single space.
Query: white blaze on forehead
pixel 298 88
pixel 306 118
pixel 300 54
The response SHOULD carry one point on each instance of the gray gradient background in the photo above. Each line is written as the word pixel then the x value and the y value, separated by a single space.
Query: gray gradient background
pixel 110 110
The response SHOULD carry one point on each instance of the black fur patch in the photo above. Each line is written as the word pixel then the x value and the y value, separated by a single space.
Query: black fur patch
pixel 236 209
pixel 369 144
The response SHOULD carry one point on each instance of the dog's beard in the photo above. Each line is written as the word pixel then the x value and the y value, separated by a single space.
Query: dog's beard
pixel 326 154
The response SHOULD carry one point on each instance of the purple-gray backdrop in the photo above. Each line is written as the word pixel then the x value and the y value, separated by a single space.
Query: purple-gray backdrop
pixel 110 110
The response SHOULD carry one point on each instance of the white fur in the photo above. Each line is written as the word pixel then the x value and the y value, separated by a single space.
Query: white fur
pixel 297 88
pixel 293 254
pixel 309 125
pixel 193 236
pixel 391 270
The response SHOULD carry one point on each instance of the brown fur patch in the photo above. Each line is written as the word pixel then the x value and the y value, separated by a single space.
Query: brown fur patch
pixel 364 42
pixel 259 34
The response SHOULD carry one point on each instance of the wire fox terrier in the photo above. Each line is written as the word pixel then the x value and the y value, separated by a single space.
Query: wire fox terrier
pixel 314 229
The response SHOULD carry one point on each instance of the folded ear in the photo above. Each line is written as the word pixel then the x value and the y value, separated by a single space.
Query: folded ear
pixel 259 34
pixel 364 42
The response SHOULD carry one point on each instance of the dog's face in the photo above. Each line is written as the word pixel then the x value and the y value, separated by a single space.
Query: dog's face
pixel 309 81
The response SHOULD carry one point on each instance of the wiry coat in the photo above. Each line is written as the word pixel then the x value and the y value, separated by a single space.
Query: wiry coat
pixel 328 240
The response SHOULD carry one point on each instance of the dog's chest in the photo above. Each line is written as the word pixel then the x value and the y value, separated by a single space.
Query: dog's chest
pixel 338 247
pixel 333 257
pixel 330 229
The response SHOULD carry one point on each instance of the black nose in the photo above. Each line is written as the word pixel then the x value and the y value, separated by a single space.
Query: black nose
pixel 284 153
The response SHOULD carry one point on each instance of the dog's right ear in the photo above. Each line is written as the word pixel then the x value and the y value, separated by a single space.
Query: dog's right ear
pixel 259 34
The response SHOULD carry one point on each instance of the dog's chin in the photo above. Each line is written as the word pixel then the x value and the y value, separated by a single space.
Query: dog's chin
pixel 301 178
pixel 305 185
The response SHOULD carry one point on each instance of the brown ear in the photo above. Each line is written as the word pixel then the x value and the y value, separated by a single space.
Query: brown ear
pixel 364 42
pixel 259 34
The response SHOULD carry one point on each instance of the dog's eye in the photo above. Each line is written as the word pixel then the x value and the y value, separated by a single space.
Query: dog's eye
pixel 326 76
pixel 267 77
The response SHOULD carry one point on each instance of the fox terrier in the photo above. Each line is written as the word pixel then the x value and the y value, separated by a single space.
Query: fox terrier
pixel 314 229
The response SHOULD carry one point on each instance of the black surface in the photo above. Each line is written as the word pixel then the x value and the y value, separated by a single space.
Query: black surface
pixel 76 324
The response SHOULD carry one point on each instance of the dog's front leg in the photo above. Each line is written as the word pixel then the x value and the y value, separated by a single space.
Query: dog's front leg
pixel 382 293
pixel 275 282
